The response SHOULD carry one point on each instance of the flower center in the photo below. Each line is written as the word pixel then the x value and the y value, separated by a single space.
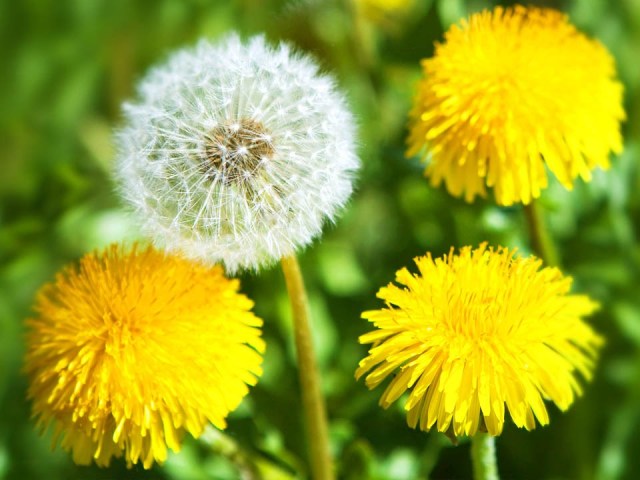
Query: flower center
pixel 236 150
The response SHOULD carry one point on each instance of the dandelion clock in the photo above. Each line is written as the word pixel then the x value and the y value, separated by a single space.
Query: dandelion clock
pixel 236 152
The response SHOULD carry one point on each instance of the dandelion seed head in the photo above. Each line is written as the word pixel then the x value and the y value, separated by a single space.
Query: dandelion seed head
pixel 236 152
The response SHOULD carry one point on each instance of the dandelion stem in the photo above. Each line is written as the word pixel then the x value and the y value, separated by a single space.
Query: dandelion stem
pixel 312 401
pixel 483 457
pixel 363 44
pixel 225 445
pixel 541 241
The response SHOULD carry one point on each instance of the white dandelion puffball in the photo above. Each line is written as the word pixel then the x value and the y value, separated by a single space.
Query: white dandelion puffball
pixel 236 152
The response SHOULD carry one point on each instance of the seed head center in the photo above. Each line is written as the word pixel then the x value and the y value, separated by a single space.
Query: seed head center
pixel 237 149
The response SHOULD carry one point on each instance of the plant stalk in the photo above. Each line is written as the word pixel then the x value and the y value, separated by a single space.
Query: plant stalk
pixel 541 241
pixel 312 401
pixel 483 457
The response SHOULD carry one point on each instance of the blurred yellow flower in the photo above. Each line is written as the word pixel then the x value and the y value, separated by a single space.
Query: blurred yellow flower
pixel 474 332
pixel 130 350
pixel 377 10
pixel 508 92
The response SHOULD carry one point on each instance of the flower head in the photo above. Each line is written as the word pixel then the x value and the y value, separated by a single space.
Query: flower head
pixel 236 152
pixel 474 332
pixel 509 92
pixel 130 350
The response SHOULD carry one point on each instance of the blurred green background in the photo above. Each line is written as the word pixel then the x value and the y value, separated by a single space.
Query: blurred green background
pixel 66 67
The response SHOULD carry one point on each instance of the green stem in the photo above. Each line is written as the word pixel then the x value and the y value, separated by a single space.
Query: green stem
pixel 541 241
pixel 363 45
pixel 483 457
pixel 250 465
pixel 224 445
pixel 312 401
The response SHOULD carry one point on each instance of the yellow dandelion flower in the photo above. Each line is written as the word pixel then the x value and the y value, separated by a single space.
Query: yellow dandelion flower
pixel 474 332
pixel 130 350
pixel 509 92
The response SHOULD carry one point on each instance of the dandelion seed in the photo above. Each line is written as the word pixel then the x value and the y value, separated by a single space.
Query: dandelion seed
pixel 236 152
pixel 474 332
pixel 131 350
pixel 510 93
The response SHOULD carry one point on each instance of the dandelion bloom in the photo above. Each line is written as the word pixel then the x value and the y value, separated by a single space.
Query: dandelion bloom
pixel 474 332
pixel 508 92
pixel 130 350
pixel 236 152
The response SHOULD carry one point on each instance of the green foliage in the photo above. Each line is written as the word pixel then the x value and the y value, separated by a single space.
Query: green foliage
pixel 67 67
